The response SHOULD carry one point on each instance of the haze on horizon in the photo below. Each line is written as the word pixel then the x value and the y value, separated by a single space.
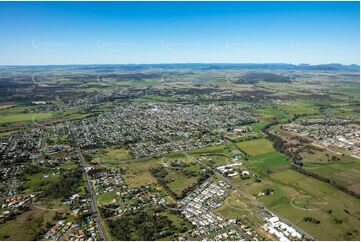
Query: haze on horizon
pixel 47 33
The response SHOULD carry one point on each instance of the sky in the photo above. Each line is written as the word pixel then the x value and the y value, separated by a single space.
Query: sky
pixel 42 33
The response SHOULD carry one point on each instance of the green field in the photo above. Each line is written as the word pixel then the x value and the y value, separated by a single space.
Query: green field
pixel 270 161
pixel 137 172
pixel 27 225
pixel 24 117
pixel 112 155
pixel 179 181
pixel 341 168
pixel 296 196
pixel 256 147
pixel 300 107
pixel 37 182
pixel 235 206
pixel 106 197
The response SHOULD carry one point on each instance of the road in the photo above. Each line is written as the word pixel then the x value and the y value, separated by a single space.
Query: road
pixel 89 188
pixel 91 195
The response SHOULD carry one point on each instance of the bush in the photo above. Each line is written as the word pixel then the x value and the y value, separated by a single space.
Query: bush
pixel 311 220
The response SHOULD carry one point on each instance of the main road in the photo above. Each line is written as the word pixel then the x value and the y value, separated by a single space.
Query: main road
pixel 89 188
pixel 91 195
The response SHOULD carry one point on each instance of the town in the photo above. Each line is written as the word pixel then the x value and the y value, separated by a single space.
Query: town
pixel 200 162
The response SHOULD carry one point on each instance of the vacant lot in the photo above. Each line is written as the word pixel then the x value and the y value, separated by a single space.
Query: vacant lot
pixel 138 174
pixel 235 206
pixel 343 169
pixel 111 155
pixel 269 162
pixel 27 225
pixel 179 181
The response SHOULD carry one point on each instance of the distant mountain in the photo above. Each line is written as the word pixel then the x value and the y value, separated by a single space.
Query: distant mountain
pixel 254 77
pixel 275 66
pixel 195 66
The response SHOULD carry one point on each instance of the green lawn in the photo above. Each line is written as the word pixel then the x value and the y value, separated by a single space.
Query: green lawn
pixel 179 222
pixel 300 107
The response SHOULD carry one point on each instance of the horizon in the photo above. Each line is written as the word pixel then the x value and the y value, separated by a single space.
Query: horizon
pixel 190 63
pixel 108 33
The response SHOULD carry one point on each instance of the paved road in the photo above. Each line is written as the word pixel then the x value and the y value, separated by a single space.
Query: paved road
pixel 91 195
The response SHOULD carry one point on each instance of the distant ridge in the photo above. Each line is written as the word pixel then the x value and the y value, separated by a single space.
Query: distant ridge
pixel 201 66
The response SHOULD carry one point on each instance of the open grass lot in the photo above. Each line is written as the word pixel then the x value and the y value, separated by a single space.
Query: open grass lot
pixel 296 196
pixel 349 89
pixel 342 169
pixel 27 225
pixel 214 161
pixel 22 114
pixel 112 155
pixel 263 157
pixel 15 116
pixel 106 197
pixel 24 117
pixel 220 149
pixel 179 181
pixel 235 206
pixel 40 181
pixel 272 161
pixel 271 112
pixel 300 107
pixel 256 147
pixel 343 112
pixel 180 178
pixel 138 174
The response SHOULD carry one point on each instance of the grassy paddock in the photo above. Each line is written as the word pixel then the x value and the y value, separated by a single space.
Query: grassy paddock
pixel 256 147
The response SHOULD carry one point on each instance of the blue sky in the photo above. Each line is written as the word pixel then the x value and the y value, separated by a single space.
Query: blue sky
pixel 179 32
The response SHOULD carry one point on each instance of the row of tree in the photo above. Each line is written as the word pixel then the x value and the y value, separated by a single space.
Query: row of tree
pixel 325 179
